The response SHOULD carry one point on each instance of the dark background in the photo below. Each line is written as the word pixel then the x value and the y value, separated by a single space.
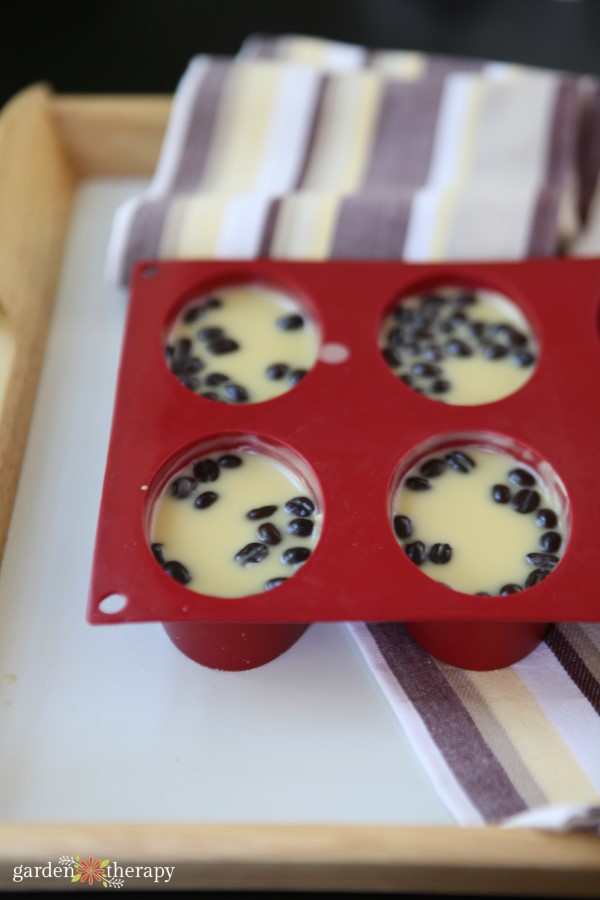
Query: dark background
pixel 143 46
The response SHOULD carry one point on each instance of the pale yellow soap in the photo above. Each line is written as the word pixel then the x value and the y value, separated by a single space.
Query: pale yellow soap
pixel 226 344
pixel 207 540
pixel 489 540
pixel 463 347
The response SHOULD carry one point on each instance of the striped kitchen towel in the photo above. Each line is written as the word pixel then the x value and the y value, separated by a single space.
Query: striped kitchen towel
pixel 264 157
pixel 308 149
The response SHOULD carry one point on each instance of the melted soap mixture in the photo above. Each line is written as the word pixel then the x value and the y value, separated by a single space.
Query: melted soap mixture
pixel 478 521
pixel 460 347
pixel 234 524
pixel 242 344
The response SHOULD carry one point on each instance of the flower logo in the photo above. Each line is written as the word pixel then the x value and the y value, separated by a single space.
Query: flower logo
pixel 90 871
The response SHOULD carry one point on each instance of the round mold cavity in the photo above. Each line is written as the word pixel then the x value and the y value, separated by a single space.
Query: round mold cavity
pixel 235 516
pixel 480 514
pixel 464 345
pixel 238 646
pixel 241 341
pixel 471 526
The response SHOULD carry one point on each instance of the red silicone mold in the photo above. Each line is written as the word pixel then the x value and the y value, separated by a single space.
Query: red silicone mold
pixel 356 427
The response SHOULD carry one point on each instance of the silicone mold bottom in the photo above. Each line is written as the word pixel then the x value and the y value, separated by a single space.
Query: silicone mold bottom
pixel 353 424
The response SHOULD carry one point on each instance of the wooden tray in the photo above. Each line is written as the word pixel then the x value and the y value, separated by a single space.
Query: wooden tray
pixel 47 145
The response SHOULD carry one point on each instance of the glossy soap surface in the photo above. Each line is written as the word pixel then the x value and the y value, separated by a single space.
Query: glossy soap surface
pixel 243 343
pixel 244 510
pixel 488 540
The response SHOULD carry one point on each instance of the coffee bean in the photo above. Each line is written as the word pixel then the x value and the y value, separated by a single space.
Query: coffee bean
pixel 404 313
pixel 189 365
pixel 550 541
pixel 277 371
pixel 397 336
pixel 210 395
pixel 157 551
pixel 433 353
pixel 546 518
pixel 521 477
pixel 536 576
pixel 269 533
pixel 425 370
pixel 433 301
pixel 525 501
pixel 213 303
pixel 495 351
pixel 510 589
pixel 456 347
pixel 182 347
pixel 403 526
pixel 206 499
pixel 440 554
pixel 182 487
pixel 460 461
pixel 504 330
pixel 478 329
pixel 295 376
pixel 215 378
pixel 482 594
pixel 301 527
pixel 416 552
pixel 294 555
pixel 210 334
pixel 392 357
pixel 423 333
pixel 501 493
pixel 260 512
pixel 177 571
pixel 290 323
pixel 300 506
pixel 524 358
pixel 273 583
pixel 465 298
pixel 230 461
pixel 433 467
pixel 206 470
pixel 190 382
pixel 252 553
pixel 542 560
pixel 223 345
pixel 236 393
pixel 417 483
pixel 407 380
pixel 440 386
pixel 193 313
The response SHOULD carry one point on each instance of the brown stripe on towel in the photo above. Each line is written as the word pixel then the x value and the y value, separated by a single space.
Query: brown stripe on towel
pixel 201 126
pixel 544 238
pixel 372 225
pixel 561 140
pixel 266 240
pixel 574 666
pixel 144 234
pixel 449 723
pixel 495 735
pixel 404 135
pixel 589 149
pixel 580 638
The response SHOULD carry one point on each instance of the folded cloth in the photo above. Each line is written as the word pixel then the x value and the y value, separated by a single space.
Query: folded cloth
pixel 271 158
pixel 311 149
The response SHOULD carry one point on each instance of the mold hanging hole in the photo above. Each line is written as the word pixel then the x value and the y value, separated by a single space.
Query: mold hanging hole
pixel 112 604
